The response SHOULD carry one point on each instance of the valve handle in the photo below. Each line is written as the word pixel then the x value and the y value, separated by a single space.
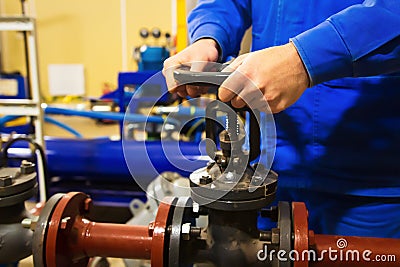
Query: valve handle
pixel 214 79
pixel 209 78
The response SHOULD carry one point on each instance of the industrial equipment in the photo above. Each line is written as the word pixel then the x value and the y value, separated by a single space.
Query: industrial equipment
pixel 16 186
pixel 231 192
pixel 151 57
pixel 98 165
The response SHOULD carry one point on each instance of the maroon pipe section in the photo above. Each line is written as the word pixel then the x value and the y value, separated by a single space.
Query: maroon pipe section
pixel 111 240
pixel 355 251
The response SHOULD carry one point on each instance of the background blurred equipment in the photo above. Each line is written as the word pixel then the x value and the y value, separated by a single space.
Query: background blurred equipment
pixel 151 57
pixel 16 186
pixel 27 107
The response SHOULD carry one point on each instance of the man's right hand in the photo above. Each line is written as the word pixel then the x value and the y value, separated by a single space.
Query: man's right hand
pixel 200 52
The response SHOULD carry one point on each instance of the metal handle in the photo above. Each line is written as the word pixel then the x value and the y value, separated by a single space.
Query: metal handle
pixel 185 76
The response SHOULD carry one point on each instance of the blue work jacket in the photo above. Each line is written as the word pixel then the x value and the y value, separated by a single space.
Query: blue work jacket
pixel 343 134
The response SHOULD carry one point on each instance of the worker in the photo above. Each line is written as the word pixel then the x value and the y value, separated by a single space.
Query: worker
pixel 330 71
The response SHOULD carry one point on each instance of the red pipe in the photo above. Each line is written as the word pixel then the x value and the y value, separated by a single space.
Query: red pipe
pixel 112 240
pixel 355 251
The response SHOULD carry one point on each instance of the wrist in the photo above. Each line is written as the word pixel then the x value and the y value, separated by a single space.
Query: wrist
pixel 298 62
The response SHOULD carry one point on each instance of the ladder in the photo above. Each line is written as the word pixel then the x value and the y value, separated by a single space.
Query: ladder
pixel 28 107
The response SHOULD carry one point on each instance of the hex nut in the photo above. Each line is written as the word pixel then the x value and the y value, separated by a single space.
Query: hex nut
pixel 275 236
pixel 27 167
pixel 6 181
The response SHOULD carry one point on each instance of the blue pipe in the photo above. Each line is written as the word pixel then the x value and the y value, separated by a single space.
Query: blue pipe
pixel 109 115
pixel 63 126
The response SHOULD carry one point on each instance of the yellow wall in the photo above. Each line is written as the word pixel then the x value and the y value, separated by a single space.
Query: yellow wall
pixel 85 32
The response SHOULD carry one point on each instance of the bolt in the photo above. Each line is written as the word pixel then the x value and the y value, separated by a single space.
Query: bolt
pixel 275 236
pixel 151 228
pixel 195 232
pixel 30 223
pixel 88 204
pixel 256 178
pixel 271 213
pixel 229 177
pixel 186 231
pixel 196 207
pixel 27 167
pixel 205 179
pixel 26 163
pixel 64 222
pixel 265 236
pixel 6 180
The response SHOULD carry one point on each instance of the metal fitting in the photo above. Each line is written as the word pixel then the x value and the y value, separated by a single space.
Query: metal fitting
pixel 205 179
pixel 275 234
pixel 151 228
pixel 88 204
pixel 27 167
pixel 30 223
pixel 6 181
pixel 186 231
pixel 265 236
pixel 64 222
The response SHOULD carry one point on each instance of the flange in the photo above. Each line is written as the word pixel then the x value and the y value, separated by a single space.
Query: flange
pixel 67 209
pixel 181 215
pixel 300 230
pixel 159 250
pixel 285 227
pixel 40 233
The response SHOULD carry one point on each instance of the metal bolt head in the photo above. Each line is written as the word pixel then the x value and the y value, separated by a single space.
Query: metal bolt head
pixel 196 207
pixel 26 163
pixel 205 179
pixel 6 181
pixel 27 167
pixel 88 204
pixel 186 231
pixel 151 228
pixel 229 176
pixel 64 222
pixel 30 223
pixel 275 236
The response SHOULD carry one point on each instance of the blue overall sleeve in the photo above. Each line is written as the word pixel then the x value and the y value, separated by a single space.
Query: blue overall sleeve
pixel 225 21
pixel 362 40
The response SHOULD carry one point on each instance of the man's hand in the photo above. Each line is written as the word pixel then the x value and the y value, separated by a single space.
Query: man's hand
pixel 199 53
pixel 277 72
